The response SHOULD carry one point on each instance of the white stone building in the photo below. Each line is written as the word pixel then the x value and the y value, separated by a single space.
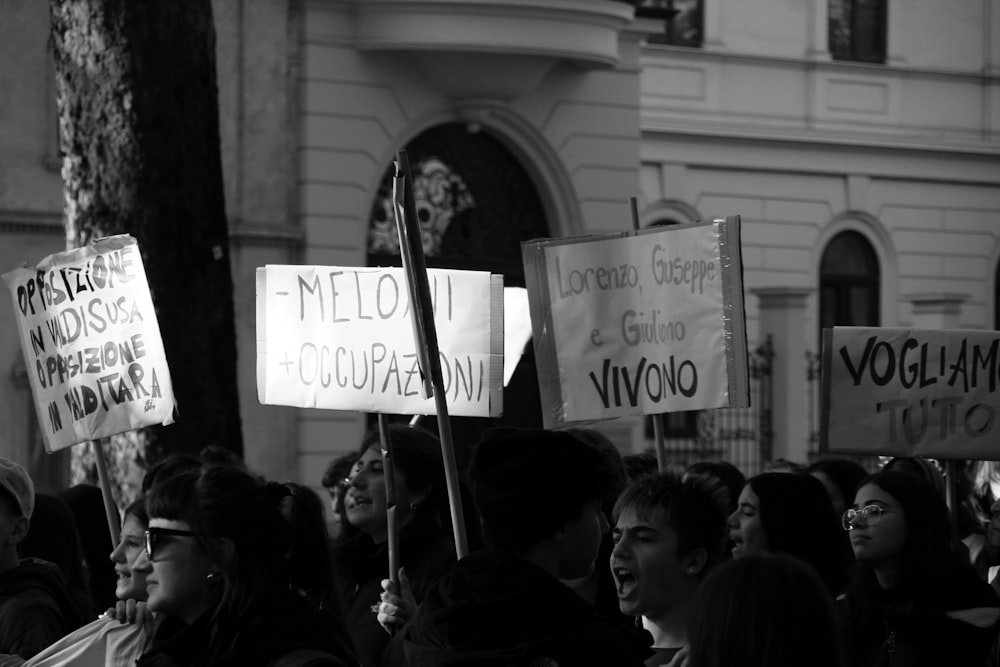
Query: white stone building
pixel 868 183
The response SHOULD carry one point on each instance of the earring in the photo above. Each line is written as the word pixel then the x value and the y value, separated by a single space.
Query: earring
pixel 413 506
pixel 211 575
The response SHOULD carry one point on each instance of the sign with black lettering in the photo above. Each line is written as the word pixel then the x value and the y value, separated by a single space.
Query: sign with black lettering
pixel 907 392
pixel 340 338
pixel 638 323
pixel 91 343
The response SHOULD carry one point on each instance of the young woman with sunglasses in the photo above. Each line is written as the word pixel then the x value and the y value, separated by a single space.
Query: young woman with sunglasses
pixel 911 600
pixel 215 562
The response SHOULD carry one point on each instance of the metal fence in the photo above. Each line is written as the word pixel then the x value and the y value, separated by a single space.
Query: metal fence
pixel 742 436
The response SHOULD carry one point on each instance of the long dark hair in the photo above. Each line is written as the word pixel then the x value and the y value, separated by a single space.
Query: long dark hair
pixel 845 474
pixel 223 502
pixel 309 564
pixel 763 610
pixel 926 567
pixel 417 455
pixel 797 517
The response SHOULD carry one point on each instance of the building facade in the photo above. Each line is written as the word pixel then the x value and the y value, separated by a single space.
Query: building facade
pixel 859 141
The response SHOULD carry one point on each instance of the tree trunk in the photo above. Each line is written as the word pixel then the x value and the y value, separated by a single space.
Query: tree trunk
pixel 139 125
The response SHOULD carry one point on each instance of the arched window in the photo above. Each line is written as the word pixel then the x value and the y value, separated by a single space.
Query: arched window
pixel 475 204
pixel 849 283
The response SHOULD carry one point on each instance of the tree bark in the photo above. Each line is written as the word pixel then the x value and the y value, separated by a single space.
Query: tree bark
pixel 139 124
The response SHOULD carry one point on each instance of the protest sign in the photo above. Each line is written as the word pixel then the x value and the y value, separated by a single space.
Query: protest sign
pixel 638 323
pixel 91 343
pixel 516 329
pixel 906 392
pixel 340 338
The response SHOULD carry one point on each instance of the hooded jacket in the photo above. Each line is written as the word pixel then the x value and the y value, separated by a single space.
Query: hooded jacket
pixel 496 608
pixel 35 607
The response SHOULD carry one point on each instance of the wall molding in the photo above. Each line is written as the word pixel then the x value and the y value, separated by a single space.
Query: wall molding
pixel 48 223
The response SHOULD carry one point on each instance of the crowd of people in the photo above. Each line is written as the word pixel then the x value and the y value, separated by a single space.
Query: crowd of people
pixel 577 556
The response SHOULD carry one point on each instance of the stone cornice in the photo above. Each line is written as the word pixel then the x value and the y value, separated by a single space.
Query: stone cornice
pixel 240 233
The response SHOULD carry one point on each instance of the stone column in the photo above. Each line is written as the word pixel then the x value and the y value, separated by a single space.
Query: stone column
pixel 782 316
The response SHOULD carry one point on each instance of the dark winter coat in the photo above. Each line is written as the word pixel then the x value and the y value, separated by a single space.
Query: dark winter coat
pixel 960 633
pixel 496 608
pixel 35 608
pixel 360 565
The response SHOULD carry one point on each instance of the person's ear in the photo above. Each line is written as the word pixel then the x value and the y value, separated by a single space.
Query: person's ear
pixel 566 529
pixel 561 534
pixel 19 530
pixel 696 562
pixel 418 497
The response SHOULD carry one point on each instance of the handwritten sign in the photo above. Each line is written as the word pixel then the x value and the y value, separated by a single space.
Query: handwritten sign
pixel 905 392
pixel 91 343
pixel 639 323
pixel 340 338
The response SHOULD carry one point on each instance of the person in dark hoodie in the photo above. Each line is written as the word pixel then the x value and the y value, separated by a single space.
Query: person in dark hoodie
pixel 54 537
pixel 598 586
pixel 216 568
pixel 539 495
pixel 35 609
pixel 86 501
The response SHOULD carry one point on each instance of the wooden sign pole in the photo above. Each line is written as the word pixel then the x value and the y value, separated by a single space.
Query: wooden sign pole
pixel 412 251
pixel 110 509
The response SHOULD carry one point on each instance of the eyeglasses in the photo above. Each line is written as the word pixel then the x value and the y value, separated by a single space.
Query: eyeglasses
pixel 869 514
pixel 154 538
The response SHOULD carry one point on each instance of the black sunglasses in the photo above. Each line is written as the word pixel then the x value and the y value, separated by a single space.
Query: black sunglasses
pixel 154 538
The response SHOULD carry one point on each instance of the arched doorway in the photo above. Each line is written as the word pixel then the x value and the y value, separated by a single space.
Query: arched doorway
pixel 475 203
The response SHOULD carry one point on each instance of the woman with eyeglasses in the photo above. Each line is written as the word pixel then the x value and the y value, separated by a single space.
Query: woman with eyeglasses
pixel 215 562
pixel 911 600
pixel 426 550
pixel 791 513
